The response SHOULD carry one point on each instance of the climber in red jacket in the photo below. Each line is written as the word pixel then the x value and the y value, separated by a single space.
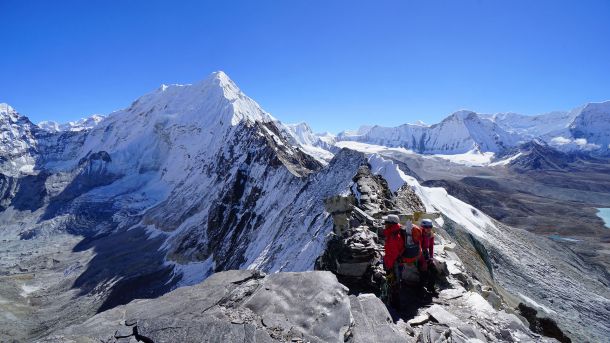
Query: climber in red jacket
pixel 427 240
pixel 394 241
pixel 394 246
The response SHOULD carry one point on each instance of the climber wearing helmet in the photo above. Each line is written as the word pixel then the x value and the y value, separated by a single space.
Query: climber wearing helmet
pixel 393 248
pixel 394 241
pixel 427 239
pixel 426 263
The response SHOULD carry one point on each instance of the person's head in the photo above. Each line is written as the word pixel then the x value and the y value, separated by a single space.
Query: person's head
pixel 390 219
pixel 426 225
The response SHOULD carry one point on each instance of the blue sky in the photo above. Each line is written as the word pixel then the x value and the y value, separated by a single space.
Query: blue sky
pixel 334 64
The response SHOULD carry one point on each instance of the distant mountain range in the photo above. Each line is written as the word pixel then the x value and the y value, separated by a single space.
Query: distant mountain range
pixel 583 129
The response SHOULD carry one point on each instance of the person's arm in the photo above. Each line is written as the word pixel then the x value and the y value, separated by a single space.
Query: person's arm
pixel 431 247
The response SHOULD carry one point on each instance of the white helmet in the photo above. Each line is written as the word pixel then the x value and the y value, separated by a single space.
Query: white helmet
pixel 391 219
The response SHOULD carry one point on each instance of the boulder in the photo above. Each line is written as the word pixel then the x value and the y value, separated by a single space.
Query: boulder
pixel 372 321
pixel 442 316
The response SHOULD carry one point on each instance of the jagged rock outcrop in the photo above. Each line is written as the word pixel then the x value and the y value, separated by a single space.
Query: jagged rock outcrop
pixel 472 305
pixel 545 326
pixel 372 192
pixel 355 250
pixel 466 308
pixel 539 156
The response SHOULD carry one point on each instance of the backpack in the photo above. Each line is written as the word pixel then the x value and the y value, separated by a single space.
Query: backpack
pixel 417 233
pixel 412 249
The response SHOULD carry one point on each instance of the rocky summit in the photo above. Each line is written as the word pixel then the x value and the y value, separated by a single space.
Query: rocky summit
pixel 248 306
pixel 245 306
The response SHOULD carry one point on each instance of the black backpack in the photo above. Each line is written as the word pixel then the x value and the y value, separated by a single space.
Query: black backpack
pixel 412 249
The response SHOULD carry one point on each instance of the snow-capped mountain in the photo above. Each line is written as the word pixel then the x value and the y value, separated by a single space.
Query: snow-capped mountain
pixel 204 153
pixel 18 143
pixel 581 129
pixel 461 132
pixel 319 146
pixel 189 180
pixel 593 126
pixel 530 127
pixel 79 125
pixel 361 131
pixel 584 128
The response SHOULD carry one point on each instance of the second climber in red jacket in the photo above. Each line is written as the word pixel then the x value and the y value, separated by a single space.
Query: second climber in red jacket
pixel 426 262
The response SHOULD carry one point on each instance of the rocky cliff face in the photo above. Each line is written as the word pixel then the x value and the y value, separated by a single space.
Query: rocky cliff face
pixel 18 144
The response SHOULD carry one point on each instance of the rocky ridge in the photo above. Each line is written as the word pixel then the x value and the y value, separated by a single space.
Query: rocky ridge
pixel 470 304
pixel 249 306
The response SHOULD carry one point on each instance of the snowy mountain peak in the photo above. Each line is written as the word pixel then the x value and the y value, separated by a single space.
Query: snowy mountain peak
pixel 17 142
pixel 316 145
pixel 302 133
pixel 419 123
pixel 216 100
pixel 78 125
pixel 462 115
pixel 362 130
pixel 303 126
pixel 591 127
pixel 596 107
pixel 8 116
pixel 221 80
pixel 6 109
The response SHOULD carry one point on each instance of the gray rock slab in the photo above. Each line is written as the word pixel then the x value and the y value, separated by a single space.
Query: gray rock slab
pixel 419 320
pixel 472 332
pixel 244 306
pixel 451 293
pixel 435 334
pixel 372 321
pixel 167 330
pixel 443 316
pixel 312 304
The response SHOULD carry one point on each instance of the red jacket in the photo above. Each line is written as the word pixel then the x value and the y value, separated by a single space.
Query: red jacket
pixel 427 244
pixel 394 245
